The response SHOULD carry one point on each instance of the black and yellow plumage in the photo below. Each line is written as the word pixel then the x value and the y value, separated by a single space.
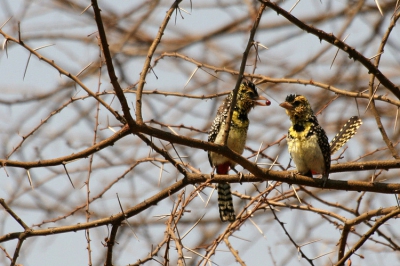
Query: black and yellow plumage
pixel 246 99
pixel 348 130
pixel 307 141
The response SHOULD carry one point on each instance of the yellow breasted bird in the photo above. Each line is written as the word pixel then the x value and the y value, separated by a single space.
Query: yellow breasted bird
pixel 247 98
pixel 308 144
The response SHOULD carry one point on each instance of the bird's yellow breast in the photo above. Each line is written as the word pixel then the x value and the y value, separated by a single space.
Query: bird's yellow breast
pixel 240 120
pixel 305 150
pixel 236 139
pixel 300 135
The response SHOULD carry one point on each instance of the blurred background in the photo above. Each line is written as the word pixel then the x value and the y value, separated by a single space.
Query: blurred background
pixel 46 115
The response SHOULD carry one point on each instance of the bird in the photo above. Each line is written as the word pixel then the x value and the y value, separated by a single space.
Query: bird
pixel 308 143
pixel 247 98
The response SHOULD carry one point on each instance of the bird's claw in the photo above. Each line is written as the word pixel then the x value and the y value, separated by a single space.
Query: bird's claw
pixel 293 174
pixel 324 179
pixel 212 174
pixel 240 174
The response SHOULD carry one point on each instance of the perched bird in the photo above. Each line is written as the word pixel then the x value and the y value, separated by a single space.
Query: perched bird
pixel 307 141
pixel 247 98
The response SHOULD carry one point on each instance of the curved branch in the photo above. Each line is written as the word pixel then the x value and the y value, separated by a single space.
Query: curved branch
pixel 263 79
pixel 330 38
pixel 110 66
pixel 146 64
pixel 385 137
pixel 367 235
pixel 62 72
pixel 258 174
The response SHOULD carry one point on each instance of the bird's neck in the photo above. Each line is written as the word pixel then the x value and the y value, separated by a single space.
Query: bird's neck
pixel 240 119
pixel 302 123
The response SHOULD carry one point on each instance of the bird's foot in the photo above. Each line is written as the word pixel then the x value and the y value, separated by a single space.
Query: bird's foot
pixel 240 174
pixel 212 173
pixel 293 174
pixel 324 179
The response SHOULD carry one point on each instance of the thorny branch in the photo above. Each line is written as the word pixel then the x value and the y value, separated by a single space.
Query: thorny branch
pixel 330 38
pixel 241 72
pixel 159 167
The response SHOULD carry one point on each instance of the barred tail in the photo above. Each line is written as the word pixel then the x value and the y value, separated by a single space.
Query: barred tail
pixel 225 204
pixel 345 134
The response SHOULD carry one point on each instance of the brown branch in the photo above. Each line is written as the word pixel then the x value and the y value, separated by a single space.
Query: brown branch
pixel 365 237
pixel 240 74
pixel 18 249
pixel 110 244
pixel 348 225
pixel 65 159
pixel 310 261
pixel 114 219
pixel 6 253
pixel 149 56
pixel 243 216
pixel 182 95
pixel 190 179
pixel 327 203
pixel 101 194
pixel 259 174
pixel 110 66
pixel 42 122
pixel 13 214
pixel 118 89
pixel 153 252
pixel 385 137
pixel 62 72
pixel 234 252
pixel 263 79
pixel 332 39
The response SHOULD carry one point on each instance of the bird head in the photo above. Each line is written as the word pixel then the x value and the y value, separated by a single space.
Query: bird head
pixel 248 97
pixel 297 107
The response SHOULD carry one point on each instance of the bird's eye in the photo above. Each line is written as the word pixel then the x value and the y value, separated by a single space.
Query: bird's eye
pixel 296 103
